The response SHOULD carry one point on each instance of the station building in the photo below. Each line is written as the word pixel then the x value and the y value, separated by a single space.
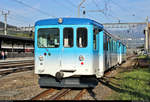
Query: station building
pixel 13 46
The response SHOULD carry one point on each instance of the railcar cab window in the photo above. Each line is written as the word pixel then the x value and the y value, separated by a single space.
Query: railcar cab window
pixel 68 37
pixel 48 38
pixel 82 37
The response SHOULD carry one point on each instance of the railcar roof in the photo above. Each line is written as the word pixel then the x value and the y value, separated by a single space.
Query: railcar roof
pixel 68 21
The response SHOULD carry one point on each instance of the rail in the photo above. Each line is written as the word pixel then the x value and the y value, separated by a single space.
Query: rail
pixel 81 93
pixel 16 66
pixel 58 95
pixel 43 94
pixel 61 93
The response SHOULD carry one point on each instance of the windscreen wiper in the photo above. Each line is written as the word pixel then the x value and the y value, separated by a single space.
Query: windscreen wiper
pixel 43 46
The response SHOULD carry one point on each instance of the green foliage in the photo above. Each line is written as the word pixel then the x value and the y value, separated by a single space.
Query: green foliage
pixel 20 34
pixel 133 85
pixel 143 56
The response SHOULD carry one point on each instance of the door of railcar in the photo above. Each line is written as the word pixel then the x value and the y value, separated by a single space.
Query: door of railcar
pixel 68 51
pixel 74 48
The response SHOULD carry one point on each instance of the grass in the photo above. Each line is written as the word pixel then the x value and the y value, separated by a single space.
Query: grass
pixel 133 85
pixel 143 56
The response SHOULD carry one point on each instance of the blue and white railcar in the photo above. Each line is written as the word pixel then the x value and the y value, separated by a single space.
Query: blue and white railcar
pixel 72 52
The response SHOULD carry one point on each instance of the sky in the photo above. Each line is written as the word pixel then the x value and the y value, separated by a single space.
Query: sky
pixel 27 12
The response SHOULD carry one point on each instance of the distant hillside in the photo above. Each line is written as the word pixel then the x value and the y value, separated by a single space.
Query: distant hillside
pixel 9 26
pixel 13 31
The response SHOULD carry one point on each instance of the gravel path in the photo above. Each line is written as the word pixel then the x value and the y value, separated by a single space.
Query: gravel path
pixel 19 86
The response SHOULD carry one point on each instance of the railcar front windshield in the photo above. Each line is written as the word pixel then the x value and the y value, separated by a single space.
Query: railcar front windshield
pixel 48 38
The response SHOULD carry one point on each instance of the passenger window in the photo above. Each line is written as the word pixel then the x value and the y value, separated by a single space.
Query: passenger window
pixel 111 45
pixel 104 38
pixel 95 39
pixel 81 37
pixel 48 38
pixel 107 43
pixel 68 37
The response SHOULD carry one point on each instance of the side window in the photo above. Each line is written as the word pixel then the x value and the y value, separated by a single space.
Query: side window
pixel 117 47
pixel 112 46
pixel 123 49
pixel 68 37
pixel 82 37
pixel 106 42
pixel 109 43
pixel 95 38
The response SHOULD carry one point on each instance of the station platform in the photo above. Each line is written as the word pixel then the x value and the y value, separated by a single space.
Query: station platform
pixel 16 59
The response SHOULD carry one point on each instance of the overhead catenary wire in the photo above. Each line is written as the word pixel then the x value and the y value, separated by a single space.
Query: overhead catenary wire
pixel 16 21
pixel 101 10
pixel 13 17
pixel 65 6
pixel 123 9
pixel 96 4
pixel 29 6
pixel 91 16
pixel 22 16
pixel 70 2
pixel 105 10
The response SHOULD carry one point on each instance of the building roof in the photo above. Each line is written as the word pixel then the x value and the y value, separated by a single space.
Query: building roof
pixel 68 21
pixel 15 38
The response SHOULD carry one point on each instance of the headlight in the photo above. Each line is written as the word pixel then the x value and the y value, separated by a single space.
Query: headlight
pixel 41 58
pixel 60 20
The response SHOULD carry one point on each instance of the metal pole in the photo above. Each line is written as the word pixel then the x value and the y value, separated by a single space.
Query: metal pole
pixel 79 7
pixel 146 36
pixel 5 27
